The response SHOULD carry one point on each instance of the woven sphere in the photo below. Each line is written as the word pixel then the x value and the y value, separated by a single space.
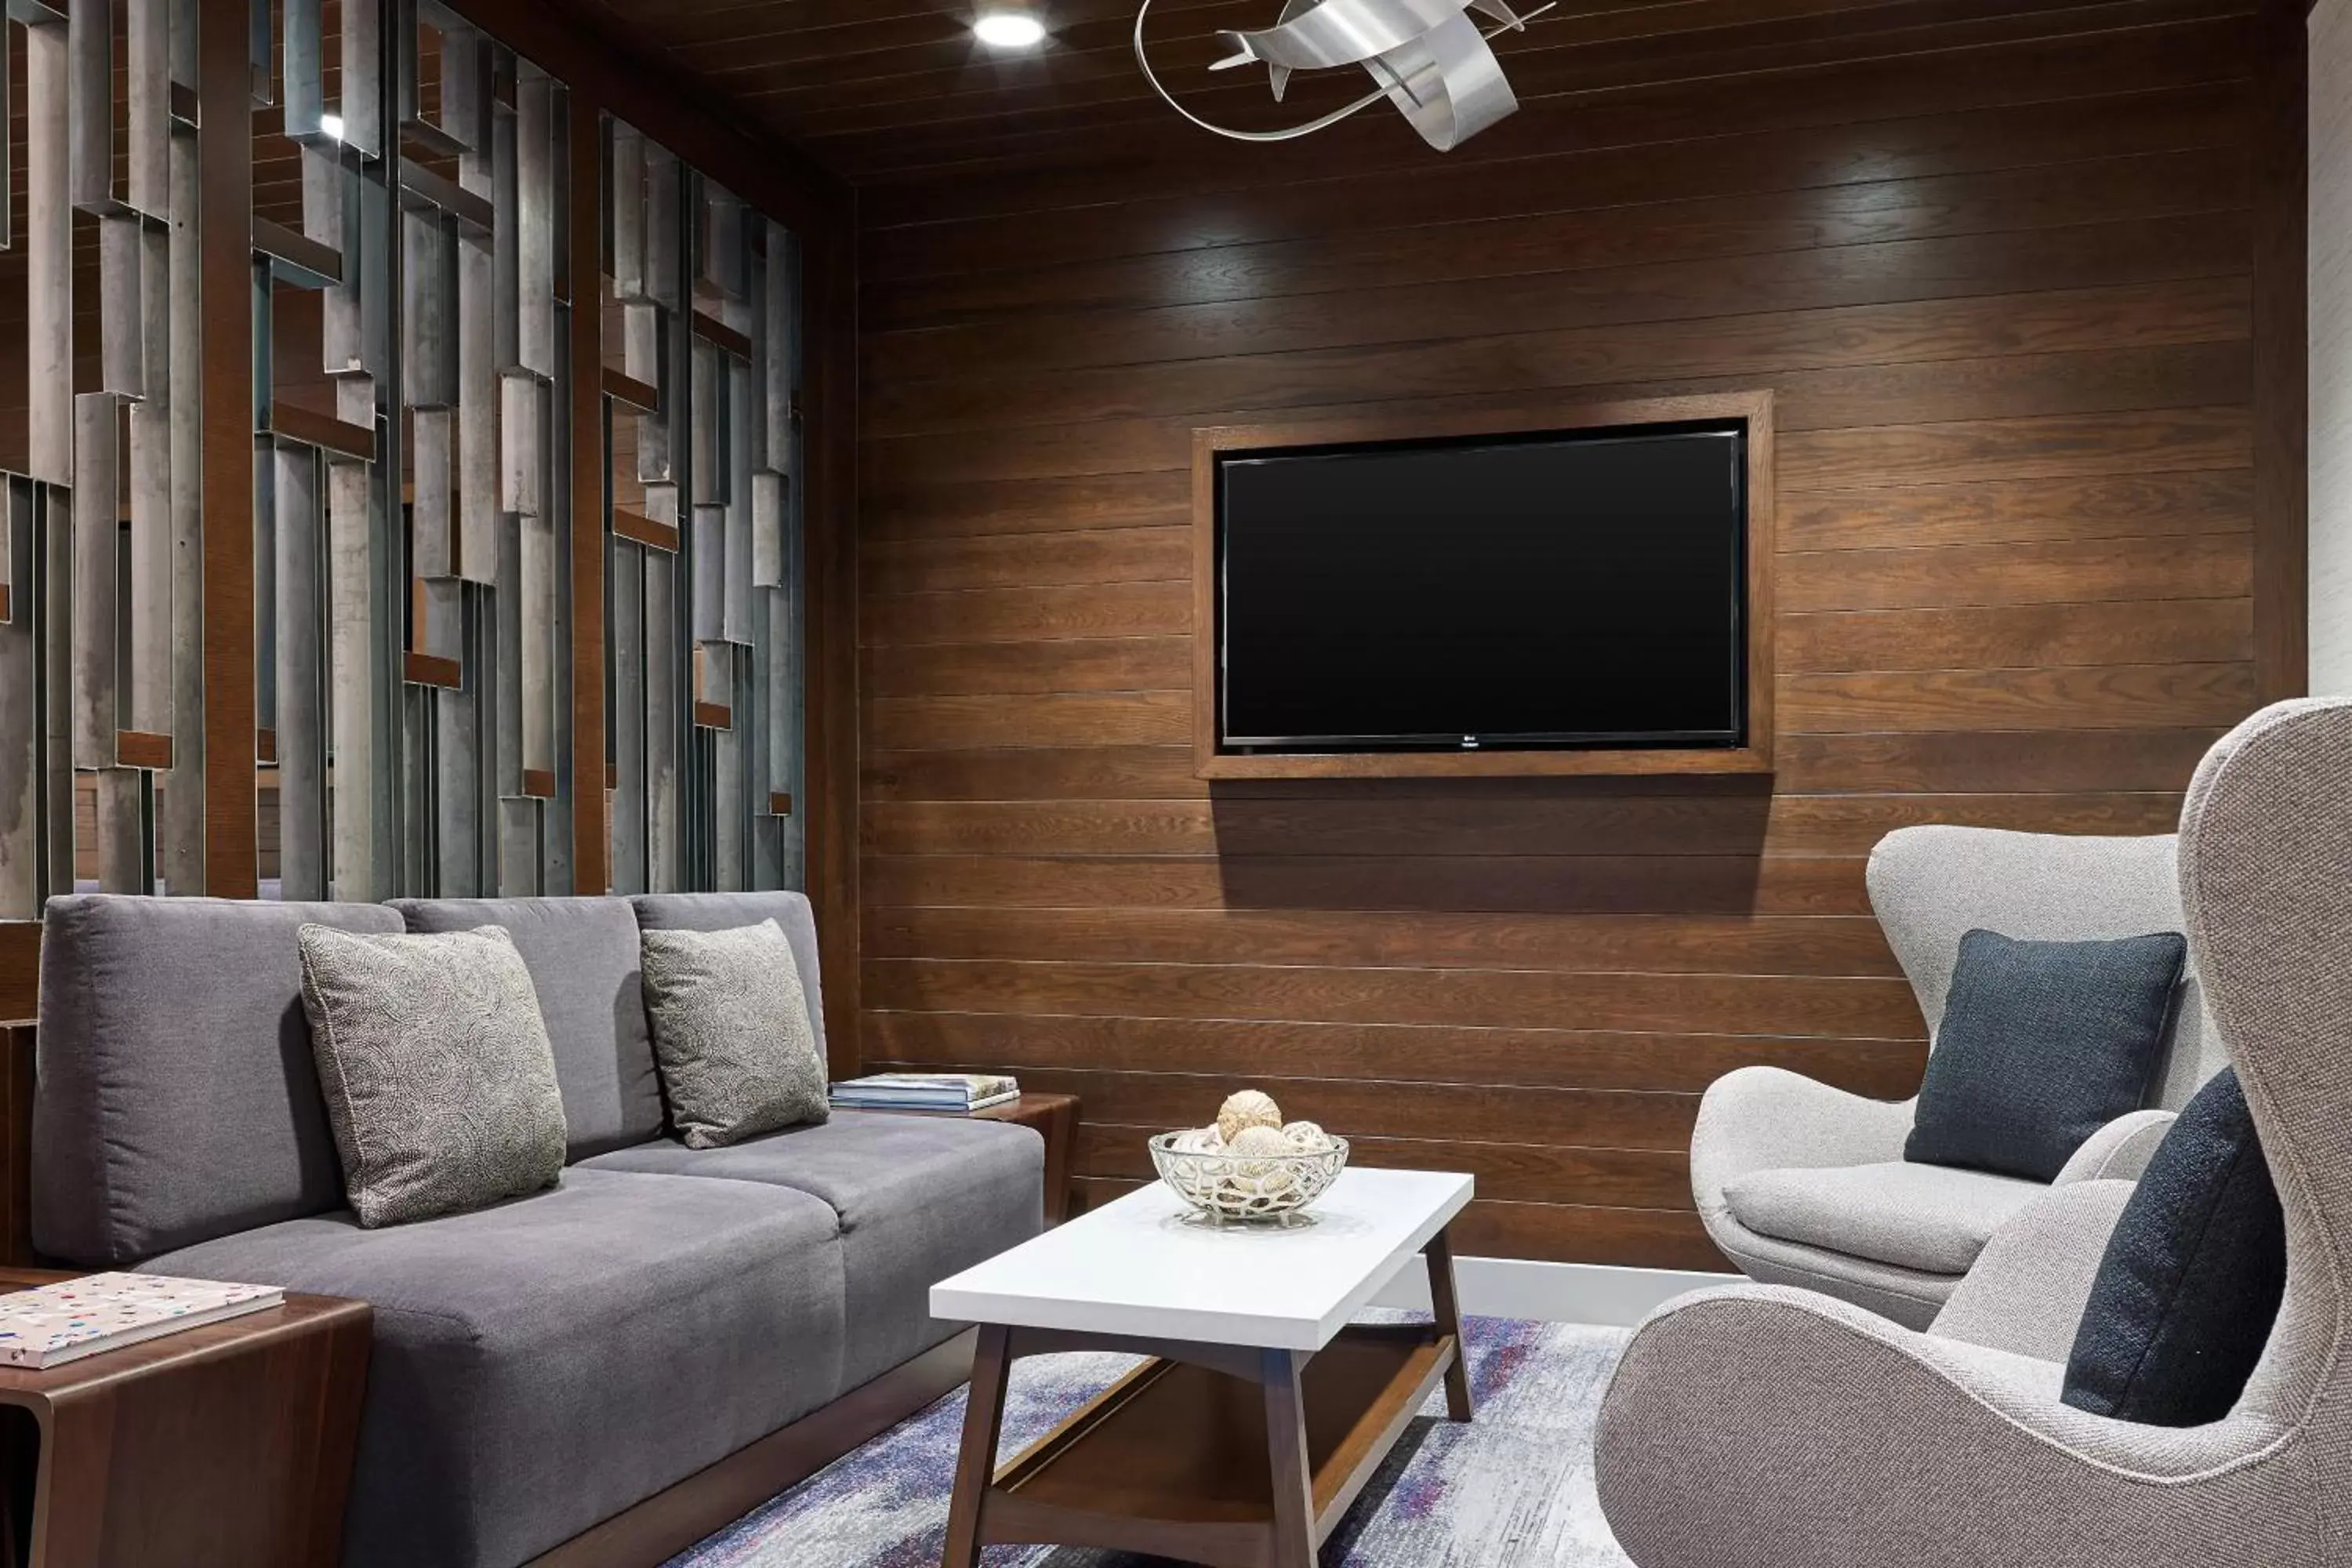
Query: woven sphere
pixel 1255 1143
pixel 1247 1109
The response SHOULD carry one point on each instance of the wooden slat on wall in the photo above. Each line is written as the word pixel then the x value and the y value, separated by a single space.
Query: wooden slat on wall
pixel 2007 271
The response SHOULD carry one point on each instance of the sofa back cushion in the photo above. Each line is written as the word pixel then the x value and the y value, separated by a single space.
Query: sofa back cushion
pixel 583 958
pixel 177 1098
pixel 732 912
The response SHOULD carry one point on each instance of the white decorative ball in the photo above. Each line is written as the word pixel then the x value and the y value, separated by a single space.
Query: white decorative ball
pixel 1201 1141
pixel 1247 1109
pixel 1307 1135
pixel 1265 1178
pixel 1256 1142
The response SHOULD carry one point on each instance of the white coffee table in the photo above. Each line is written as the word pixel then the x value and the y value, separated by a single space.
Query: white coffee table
pixel 1261 1412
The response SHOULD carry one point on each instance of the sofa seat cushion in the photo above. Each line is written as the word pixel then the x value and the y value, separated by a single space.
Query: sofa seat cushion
pixel 542 1365
pixel 583 958
pixel 919 1198
pixel 1933 1218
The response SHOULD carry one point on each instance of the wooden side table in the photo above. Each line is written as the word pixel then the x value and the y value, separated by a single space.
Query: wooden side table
pixel 1056 1119
pixel 229 1446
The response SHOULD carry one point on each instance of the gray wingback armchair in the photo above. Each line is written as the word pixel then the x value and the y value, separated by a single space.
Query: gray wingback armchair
pixel 1803 1184
pixel 1758 1427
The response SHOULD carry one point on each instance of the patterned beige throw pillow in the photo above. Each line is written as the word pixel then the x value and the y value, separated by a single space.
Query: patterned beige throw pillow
pixel 439 1080
pixel 731 1033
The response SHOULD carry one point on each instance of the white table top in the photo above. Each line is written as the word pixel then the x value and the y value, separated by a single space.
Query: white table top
pixel 1133 1267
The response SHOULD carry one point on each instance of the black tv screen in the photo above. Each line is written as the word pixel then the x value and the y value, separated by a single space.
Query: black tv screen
pixel 1563 590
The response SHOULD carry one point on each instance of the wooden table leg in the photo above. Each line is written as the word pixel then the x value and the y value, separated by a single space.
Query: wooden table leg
pixel 1285 1449
pixel 983 1418
pixel 1446 1307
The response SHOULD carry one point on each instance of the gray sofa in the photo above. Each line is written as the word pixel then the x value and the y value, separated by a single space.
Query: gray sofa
pixel 544 1365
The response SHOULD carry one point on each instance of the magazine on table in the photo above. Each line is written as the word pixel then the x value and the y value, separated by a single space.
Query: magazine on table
pixel 52 1325
pixel 925 1091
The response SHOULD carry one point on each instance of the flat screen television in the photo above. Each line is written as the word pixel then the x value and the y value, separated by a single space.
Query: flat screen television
pixel 1564 590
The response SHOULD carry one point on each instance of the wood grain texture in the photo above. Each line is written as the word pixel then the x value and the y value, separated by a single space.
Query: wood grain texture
pixel 2013 276
pixel 224 184
pixel 591 837
pixel 137 1446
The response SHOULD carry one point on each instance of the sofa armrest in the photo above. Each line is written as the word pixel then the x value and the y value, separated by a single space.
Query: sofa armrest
pixel 2029 1286
pixel 1764 1119
pixel 2119 1152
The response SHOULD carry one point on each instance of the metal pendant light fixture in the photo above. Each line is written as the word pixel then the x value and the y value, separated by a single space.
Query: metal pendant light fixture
pixel 1429 58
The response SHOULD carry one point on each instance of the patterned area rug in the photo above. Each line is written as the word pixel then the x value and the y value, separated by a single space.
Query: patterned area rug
pixel 1512 1489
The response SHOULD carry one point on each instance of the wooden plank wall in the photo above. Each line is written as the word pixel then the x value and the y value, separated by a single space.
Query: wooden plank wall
pixel 2027 281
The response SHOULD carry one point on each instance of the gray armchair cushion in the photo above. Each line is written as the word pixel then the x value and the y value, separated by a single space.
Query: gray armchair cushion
pixel 583 958
pixel 177 1097
pixel 1932 1219
pixel 730 912
pixel 731 1033
pixel 919 1198
pixel 1767 1119
pixel 437 1076
pixel 540 1365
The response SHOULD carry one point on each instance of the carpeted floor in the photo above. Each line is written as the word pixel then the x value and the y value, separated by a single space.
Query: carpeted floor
pixel 1513 1489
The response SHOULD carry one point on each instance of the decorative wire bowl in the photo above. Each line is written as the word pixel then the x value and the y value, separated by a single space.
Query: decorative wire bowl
pixel 1225 1188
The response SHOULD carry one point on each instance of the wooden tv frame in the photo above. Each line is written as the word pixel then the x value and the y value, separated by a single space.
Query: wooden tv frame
pixel 1409 423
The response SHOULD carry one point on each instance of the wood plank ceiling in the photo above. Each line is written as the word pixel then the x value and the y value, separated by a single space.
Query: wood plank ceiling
pixel 874 88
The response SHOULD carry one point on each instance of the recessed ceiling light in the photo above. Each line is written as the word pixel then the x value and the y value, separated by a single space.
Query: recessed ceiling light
pixel 1009 29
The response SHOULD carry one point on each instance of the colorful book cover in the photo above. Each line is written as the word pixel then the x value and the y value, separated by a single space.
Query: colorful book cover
pixel 51 1324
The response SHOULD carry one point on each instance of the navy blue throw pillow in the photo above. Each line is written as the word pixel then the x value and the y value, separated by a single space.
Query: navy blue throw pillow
pixel 2042 1044
pixel 2190 1287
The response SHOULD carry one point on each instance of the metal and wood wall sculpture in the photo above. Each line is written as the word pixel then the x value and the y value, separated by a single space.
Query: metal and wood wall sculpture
pixel 418 720
pixel 704 429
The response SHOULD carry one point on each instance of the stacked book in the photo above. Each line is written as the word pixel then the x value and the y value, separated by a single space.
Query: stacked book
pixel 75 1318
pixel 925 1091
